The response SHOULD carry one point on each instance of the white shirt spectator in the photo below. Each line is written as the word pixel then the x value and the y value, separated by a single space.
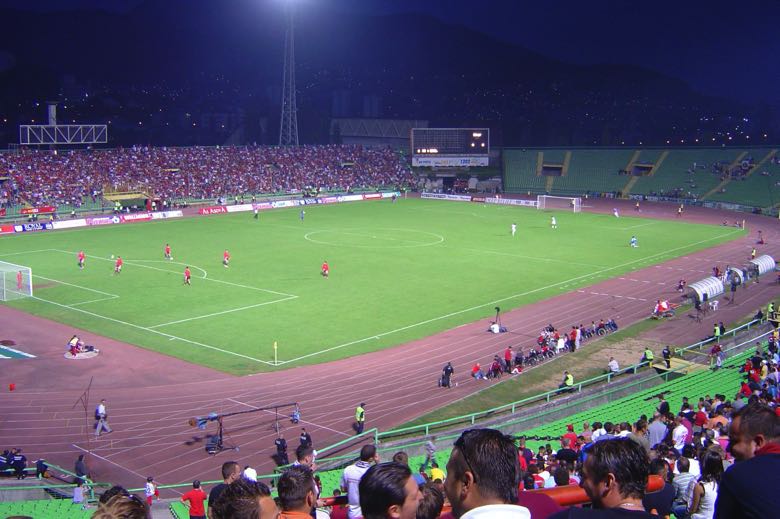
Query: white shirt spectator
pixel 350 480
pixel 596 433
pixel 614 367
pixel 250 474
pixel 678 435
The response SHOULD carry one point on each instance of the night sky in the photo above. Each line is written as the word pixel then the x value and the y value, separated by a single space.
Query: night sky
pixel 728 49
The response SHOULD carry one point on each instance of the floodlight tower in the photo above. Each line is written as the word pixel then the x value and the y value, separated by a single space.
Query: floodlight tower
pixel 288 132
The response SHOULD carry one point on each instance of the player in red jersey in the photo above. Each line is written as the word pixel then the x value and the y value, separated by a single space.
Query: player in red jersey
pixel 118 265
pixel 187 276
pixel 19 279
pixel 82 258
pixel 168 252
pixel 325 269
pixel 226 258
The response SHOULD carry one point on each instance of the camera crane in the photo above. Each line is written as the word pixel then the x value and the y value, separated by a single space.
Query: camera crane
pixel 216 443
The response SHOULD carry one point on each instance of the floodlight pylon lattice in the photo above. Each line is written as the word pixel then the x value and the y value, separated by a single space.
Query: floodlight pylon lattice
pixel 288 131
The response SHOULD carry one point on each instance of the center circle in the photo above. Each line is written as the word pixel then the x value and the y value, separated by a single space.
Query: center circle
pixel 379 238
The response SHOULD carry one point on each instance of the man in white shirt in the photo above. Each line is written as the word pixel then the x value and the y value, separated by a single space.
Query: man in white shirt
pixel 483 473
pixel 101 415
pixel 350 479
pixel 613 365
pixel 679 433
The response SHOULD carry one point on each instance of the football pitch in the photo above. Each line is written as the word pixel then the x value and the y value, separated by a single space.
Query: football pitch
pixel 398 271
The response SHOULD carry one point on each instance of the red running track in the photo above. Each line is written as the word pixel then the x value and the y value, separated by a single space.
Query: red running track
pixel 151 396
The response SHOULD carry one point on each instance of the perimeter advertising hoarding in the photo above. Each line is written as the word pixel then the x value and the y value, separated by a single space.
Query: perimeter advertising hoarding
pixel 38 210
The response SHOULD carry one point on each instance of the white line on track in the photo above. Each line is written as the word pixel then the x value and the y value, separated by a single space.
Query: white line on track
pixel 507 298
pixel 139 327
pixel 302 421
pixel 223 312
pixel 92 453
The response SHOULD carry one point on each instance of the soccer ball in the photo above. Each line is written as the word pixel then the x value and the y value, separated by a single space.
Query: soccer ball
pixel 112 256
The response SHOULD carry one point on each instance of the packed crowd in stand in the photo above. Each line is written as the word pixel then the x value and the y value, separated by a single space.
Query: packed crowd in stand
pixel 69 177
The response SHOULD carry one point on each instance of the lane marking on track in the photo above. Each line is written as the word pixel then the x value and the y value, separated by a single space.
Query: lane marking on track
pixel 302 421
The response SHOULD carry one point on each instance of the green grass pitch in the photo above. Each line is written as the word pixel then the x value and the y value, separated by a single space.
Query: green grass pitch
pixel 398 272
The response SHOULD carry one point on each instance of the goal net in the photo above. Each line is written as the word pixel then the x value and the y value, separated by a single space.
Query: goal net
pixel 559 203
pixel 15 281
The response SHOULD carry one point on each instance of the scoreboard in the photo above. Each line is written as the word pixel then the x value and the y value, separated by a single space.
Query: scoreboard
pixel 450 147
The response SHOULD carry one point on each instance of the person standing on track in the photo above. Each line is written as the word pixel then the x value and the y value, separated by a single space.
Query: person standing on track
pixel 187 276
pixel 360 417
pixel 101 416
pixel 195 497
pixel 753 253
pixel 82 259
pixel 168 252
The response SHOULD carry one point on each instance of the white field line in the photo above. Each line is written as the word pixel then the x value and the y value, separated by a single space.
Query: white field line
pixel 637 226
pixel 302 421
pixel 532 258
pixel 130 262
pixel 507 298
pixel 92 301
pixel 27 252
pixel 144 328
pixel 223 312
pixel 111 296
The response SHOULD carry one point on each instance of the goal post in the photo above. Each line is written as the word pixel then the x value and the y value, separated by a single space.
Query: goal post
pixel 15 281
pixel 559 203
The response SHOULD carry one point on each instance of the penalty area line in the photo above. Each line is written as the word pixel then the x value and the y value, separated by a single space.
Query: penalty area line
pixel 223 312
pixel 163 334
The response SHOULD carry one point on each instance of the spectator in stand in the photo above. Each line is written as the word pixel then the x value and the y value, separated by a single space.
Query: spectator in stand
pixel 587 432
pixel 598 430
pixel 614 477
pixel 483 476
pixel 660 500
pixel 750 486
pixel 656 431
pixel 194 501
pixel 231 471
pixel 639 435
pixel 570 435
pixel 350 479
pixel 338 511
pixel 679 434
pixel 431 503
pixel 705 490
pixel 297 496
pixel 613 366
pixel 682 481
pixel 388 490
pixel 122 504
pixel 244 499
pixel 566 453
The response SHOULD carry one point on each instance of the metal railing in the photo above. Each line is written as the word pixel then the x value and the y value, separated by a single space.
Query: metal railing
pixel 698 346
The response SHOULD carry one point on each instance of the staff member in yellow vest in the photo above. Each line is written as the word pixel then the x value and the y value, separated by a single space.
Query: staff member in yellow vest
pixel 360 417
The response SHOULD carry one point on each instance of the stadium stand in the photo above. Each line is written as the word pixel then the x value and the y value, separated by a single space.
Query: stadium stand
pixel 44 509
pixel 744 176
pixel 73 178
